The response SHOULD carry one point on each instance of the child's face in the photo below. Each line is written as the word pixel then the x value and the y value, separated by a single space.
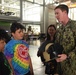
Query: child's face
pixel 2 45
pixel 18 35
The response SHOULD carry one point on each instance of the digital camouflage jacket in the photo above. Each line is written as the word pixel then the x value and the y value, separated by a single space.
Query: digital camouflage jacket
pixel 66 36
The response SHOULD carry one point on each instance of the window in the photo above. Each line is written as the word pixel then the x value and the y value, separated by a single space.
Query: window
pixel 39 1
pixel 31 12
pixel 10 8
pixel 72 14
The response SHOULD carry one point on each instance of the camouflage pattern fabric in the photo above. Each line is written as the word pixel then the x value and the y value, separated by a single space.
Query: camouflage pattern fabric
pixel 66 36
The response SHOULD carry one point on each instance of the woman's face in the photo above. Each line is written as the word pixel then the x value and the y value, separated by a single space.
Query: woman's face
pixel 51 31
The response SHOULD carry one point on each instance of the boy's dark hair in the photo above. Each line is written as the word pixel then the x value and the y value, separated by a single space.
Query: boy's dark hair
pixel 63 7
pixel 15 26
pixel 4 35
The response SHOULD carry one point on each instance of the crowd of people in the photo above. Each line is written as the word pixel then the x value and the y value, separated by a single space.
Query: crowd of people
pixel 14 50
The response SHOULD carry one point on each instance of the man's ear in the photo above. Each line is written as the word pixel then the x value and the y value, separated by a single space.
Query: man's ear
pixel 65 11
pixel 12 34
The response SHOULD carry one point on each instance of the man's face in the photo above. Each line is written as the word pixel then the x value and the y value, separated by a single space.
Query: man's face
pixel 59 15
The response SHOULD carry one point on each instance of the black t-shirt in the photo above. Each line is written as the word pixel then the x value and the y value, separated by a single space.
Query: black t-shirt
pixel 5 68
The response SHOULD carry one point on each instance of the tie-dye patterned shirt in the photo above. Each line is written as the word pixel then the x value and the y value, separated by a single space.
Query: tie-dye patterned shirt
pixel 18 51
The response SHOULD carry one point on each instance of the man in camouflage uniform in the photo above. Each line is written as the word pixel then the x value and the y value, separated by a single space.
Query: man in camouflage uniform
pixel 66 36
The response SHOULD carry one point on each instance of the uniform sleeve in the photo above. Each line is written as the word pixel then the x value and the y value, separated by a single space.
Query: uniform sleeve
pixel 72 54
pixel 74 30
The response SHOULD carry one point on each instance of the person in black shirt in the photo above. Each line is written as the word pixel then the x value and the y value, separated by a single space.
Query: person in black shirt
pixel 5 68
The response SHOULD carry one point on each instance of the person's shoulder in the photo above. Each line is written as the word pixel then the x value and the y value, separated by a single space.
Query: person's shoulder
pixel 73 24
pixel 73 21
pixel 1 55
pixel 25 43
pixel 10 43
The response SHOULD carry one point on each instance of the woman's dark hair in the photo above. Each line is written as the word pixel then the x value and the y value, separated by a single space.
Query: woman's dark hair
pixel 15 26
pixel 48 36
pixel 4 35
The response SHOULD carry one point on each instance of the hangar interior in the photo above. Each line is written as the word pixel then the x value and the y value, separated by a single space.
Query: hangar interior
pixel 37 14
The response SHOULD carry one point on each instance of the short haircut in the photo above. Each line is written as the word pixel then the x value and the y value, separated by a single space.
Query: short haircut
pixel 63 7
pixel 4 35
pixel 15 26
